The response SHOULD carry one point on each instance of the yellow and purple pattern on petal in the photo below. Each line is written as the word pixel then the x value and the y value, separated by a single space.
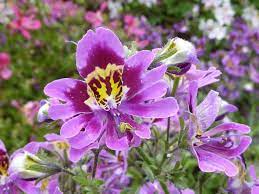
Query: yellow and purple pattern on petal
pixel 105 86
pixel 4 163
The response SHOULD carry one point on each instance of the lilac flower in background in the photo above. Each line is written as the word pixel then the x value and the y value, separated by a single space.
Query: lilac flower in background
pixel 115 90
pixel 112 169
pixel 155 188
pixel 59 10
pixel 216 147
pixel 5 71
pixel 231 63
pixel 254 70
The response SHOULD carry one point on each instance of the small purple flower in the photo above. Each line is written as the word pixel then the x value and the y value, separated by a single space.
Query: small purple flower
pixel 115 91
pixel 112 169
pixel 216 147
pixel 232 64
pixel 254 70
pixel 155 188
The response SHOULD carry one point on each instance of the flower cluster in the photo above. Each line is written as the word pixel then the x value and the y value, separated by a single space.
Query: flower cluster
pixel 108 115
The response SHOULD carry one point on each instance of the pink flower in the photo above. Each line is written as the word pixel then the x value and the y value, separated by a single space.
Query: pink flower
pixel 94 18
pixel 29 110
pixel 5 72
pixel 24 23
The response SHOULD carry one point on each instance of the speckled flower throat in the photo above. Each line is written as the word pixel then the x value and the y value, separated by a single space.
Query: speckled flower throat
pixel 4 163
pixel 105 87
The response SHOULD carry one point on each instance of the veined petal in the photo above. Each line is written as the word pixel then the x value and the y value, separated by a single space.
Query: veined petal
pixel 240 128
pixel 73 126
pixel 244 143
pixel 160 109
pixel 98 48
pixel 208 110
pixel 134 70
pixel 92 132
pixel 61 111
pixel 210 162
pixel 68 90
pixel 154 91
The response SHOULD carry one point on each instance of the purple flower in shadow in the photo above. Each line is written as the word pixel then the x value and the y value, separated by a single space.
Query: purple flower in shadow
pixel 214 147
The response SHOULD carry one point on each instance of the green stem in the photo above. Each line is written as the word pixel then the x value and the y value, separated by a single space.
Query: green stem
pixel 96 155
pixel 175 86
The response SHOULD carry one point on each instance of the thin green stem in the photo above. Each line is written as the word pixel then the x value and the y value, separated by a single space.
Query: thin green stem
pixel 96 156
pixel 175 86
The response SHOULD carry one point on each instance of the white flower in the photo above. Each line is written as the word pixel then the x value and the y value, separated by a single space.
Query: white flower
pixel 5 13
pixel 224 14
pixel 177 51
pixel 251 15
pixel 148 3
pixel 211 3
pixel 213 29
pixel 22 163
pixel 114 8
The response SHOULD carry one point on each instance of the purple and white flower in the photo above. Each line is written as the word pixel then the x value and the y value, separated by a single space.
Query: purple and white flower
pixel 114 91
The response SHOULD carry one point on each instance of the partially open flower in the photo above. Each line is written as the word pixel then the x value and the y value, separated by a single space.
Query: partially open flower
pixel 25 164
pixel 178 51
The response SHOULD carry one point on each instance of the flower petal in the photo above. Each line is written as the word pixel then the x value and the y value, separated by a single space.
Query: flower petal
pixel 210 162
pixel 76 154
pixel 208 109
pixel 68 90
pixel 134 70
pixel 154 91
pixel 73 126
pixel 112 139
pixel 240 128
pixel 160 109
pixel 92 132
pixel 98 49
pixel 244 143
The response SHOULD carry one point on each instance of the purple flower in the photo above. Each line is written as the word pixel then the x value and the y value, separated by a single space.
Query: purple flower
pixel 255 180
pixel 155 188
pixel 254 70
pixel 115 91
pixel 112 169
pixel 232 64
pixel 10 183
pixel 216 147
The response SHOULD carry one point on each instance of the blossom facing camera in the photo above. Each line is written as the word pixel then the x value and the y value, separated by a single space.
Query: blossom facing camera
pixel 115 91
pixel 25 165
pixel 178 51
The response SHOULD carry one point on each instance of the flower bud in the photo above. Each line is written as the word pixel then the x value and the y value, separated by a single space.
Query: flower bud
pixel 178 51
pixel 29 166
pixel 43 111
pixel 23 164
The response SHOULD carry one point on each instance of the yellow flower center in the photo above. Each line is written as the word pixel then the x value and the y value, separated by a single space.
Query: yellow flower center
pixel 4 164
pixel 105 87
